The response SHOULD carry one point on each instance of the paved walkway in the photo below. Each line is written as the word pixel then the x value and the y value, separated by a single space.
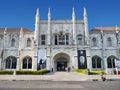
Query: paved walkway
pixel 59 76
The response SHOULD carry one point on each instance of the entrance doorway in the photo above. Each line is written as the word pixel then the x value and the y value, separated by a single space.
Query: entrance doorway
pixel 61 64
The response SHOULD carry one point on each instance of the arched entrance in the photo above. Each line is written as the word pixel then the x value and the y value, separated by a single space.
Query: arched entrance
pixel 61 62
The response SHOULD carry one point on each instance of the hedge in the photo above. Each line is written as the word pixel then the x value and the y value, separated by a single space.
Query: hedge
pixel 24 72
pixel 97 72
pixel 6 72
pixel 91 72
pixel 83 71
pixel 40 72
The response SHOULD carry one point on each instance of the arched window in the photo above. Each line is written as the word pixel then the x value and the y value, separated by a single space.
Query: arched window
pixel 96 62
pixel 28 42
pixel 27 63
pixel 111 62
pixel 13 42
pixel 94 42
pixel 61 39
pixel 109 42
pixel 11 63
pixel 80 40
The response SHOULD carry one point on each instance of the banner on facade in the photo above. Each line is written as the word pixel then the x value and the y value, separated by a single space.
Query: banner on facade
pixel 118 63
pixel 41 64
pixel 82 62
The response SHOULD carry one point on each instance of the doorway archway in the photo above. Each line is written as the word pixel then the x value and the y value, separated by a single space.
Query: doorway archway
pixel 61 62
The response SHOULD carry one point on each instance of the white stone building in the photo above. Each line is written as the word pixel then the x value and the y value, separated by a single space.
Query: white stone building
pixel 59 44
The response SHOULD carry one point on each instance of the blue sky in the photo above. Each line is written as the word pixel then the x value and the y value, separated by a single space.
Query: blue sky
pixel 21 13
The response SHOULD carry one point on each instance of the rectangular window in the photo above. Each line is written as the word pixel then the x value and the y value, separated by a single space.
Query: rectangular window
pixel 67 39
pixel 79 41
pixel 43 39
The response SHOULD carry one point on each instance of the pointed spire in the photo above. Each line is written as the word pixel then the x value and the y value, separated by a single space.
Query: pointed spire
pixel 48 11
pixel 85 12
pixel 37 18
pixel 21 32
pixel 37 26
pixel 37 12
pixel 49 14
pixel 73 11
pixel 21 39
pixel 85 19
pixel 73 14
pixel 5 31
pixel 116 28
pixel 74 28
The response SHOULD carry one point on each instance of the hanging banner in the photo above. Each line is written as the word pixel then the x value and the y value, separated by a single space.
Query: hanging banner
pixel 118 63
pixel 41 59
pixel 82 62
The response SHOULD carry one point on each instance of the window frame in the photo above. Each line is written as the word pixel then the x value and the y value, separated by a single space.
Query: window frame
pixel 9 63
pixel 13 42
pixel 61 39
pixel 96 62
pixel 43 39
pixel 94 42
pixel 27 63
pixel 109 42
pixel 28 44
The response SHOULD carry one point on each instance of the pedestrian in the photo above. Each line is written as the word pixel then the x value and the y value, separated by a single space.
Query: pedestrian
pixel 52 69
pixel 68 69
pixel 102 77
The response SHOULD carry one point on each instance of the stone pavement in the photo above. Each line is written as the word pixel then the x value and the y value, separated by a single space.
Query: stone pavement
pixel 59 76
pixel 59 85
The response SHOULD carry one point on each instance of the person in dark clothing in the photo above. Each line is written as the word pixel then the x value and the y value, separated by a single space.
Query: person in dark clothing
pixel 102 77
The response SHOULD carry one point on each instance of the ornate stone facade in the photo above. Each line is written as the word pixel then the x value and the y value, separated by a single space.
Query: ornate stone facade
pixel 60 45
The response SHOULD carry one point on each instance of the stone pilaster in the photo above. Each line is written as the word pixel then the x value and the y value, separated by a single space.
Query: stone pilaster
pixel 88 58
pixel 74 27
pixel 18 64
pixel 49 32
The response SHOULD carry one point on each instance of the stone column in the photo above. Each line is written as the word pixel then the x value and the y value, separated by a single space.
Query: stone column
pixel 76 62
pixel 49 30
pixel 18 64
pixel 105 64
pixel 88 58
pixel 48 63
pixel 34 65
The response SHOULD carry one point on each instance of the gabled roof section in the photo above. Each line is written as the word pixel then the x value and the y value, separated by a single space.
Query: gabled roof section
pixel 106 28
pixel 26 30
